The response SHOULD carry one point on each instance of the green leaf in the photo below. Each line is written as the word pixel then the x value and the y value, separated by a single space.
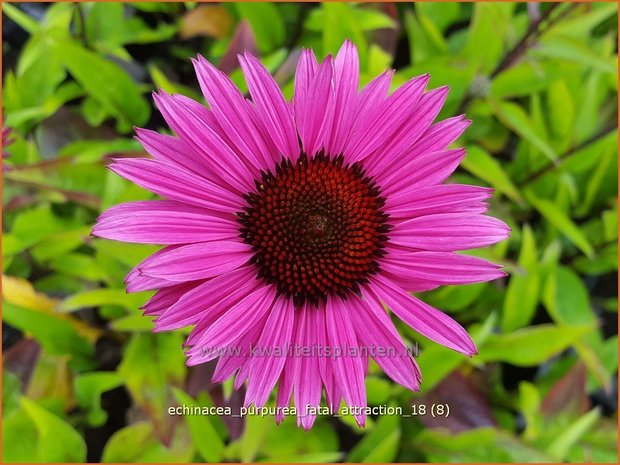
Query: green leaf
pixel 610 224
pixel 378 60
pixel 266 22
pixel 339 22
pixel 575 51
pixel 480 445
pixel 253 437
pixel 490 24
pixel 92 151
pixel 606 261
pixel 529 404
pixel 378 390
pixel 60 243
pixel 128 254
pixel 370 19
pixel 532 345
pixel 206 438
pixel 78 265
pixel 425 41
pixel 162 82
pixel 57 335
pixel 105 82
pixel 561 222
pixel 523 289
pixel 10 392
pixel 138 443
pixel 456 298
pixel 57 440
pixel 561 110
pixel 514 117
pixel 39 74
pixel 566 298
pixel 561 446
pixel 58 18
pixel 32 226
pixel 105 22
pixel 152 365
pixel 523 79
pixel 26 22
pixel 135 322
pixel 313 457
pixel 19 434
pixel 567 301
pixel 480 163
pixel 98 297
pixel 322 439
pixel 581 25
pixel 381 444
pixel 88 390
pixel 595 183
pixel 436 361
pixel 441 15
pixel 590 98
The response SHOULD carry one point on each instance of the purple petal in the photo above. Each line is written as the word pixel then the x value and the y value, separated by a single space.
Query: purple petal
pixel 265 369
pixel 448 232
pixel 232 325
pixel 135 281
pixel 166 297
pixel 189 120
pixel 436 139
pixel 381 125
pixel 348 369
pixel 375 329
pixel 311 106
pixel 317 321
pixel 411 284
pixel 372 96
pixel 443 268
pixel 417 122
pixel 271 105
pixel 307 381
pixel 346 84
pixel 412 200
pixel 423 318
pixel 234 296
pixel 237 358
pixel 175 184
pixel 285 386
pixel 233 114
pixel 162 222
pixel 174 151
pixel 304 74
pixel 426 170
pixel 209 299
pixel 197 261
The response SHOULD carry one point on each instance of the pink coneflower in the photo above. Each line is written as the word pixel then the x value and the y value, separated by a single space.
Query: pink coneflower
pixel 294 223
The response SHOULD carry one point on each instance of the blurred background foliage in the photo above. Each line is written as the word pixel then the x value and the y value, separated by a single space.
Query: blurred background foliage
pixel 85 379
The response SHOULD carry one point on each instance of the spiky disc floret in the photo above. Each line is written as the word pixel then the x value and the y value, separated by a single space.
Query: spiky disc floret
pixel 316 227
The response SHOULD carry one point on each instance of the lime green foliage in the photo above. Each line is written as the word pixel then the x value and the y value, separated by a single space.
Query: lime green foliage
pixel 79 354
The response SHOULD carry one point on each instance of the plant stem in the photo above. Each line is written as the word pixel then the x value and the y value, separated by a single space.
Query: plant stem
pixel 81 24
pixel 595 138
pixel 533 32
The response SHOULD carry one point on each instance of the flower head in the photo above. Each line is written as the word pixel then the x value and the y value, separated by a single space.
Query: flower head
pixel 291 225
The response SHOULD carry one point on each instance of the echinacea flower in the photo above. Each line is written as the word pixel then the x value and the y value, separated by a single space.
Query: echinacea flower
pixel 294 223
